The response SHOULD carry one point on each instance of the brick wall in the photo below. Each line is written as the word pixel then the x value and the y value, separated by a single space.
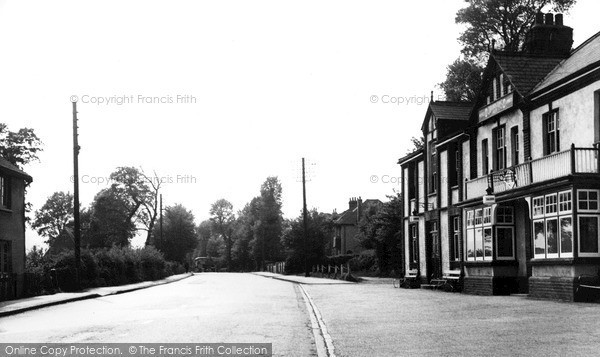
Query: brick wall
pixel 555 288
pixel 478 285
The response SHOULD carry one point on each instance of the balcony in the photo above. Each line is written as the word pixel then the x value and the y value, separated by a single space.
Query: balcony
pixel 564 163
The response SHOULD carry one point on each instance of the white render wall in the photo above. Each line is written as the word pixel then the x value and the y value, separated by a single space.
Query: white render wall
pixel 576 118
pixel 443 187
pixel 444 241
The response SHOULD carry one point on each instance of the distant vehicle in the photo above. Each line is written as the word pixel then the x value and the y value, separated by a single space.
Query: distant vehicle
pixel 204 264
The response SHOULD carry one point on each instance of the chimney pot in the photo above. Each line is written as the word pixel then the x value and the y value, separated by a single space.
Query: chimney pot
pixel 549 20
pixel 539 18
pixel 558 19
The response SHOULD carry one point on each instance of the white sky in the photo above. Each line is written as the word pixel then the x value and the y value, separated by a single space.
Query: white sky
pixel 274 81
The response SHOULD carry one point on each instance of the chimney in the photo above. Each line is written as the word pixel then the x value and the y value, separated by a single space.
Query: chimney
pixel 558 20
pixel 359 210
pixel 352 203
pixel 549 36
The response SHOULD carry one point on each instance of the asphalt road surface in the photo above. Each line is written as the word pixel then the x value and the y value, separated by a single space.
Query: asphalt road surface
pixel 205 308
pixel 359 320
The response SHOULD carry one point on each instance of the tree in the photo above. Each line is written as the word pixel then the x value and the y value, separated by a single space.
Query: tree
pixel 203 232
pixel 320 231
pixel 244 228
pixel 53 217
pixel 381 230
pixel 266 245
pixel 504 21
pixel 418 144
pixel 222 218
pixel 142 191
pixel 19 147
pixel 462 80
pixel 179 234
pixel 500 23
pixel 111 221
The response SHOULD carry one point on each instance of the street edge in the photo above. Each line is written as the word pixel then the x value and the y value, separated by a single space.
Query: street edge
pixel 324 335
pixel 282 278
pixel 86 297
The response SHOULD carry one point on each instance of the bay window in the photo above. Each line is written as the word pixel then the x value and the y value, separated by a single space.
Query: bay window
pixel 588 222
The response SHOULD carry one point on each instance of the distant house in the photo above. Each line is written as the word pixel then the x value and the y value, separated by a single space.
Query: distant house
pixel 346 226
pixel 12 229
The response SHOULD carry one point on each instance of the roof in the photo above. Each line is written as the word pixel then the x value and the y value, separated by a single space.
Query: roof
pixel 13 169
pixel 444 110
pixel 583 56
pixel 525 71
pixel 451 110
pixel 349 217
pixel 410 156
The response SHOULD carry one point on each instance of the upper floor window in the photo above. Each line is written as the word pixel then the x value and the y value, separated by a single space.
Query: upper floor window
pixel 433 169
pixel 485 169
pixel 551 132
pixel 514 143
pixel 4 192
pixel 499 148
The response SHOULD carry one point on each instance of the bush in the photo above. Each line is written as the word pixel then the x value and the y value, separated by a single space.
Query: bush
pixel 153 264
pixel 365 261
pixel 99 267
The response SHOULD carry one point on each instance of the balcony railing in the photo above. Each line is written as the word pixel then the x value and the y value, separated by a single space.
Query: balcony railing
pixel 564 163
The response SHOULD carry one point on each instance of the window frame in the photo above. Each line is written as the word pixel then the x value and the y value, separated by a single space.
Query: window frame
pixel 499 148
pixel 535 254
pixel 588 254
pixel 534 206
pixel 554 204
pixel 455 239
pixel 504 215
pixel 560 237
pixel 579 209
pixel 551 135
pixel 512 235
pixel 514 143
pixel 5 192
pixel 547 220
pixel 569 202
pixel 485 157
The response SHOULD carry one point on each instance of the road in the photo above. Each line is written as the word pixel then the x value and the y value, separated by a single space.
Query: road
pixel 361 319
pixel 208 307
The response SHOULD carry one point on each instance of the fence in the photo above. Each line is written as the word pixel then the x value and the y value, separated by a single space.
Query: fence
pixel 8 286
pixel 331 271
pixel 277 267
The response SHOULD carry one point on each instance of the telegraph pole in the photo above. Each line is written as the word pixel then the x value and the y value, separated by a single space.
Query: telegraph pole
pixel 77 228
pixel 305 218
pixel 161 219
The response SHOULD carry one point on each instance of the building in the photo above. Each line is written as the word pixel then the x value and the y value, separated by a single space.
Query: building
pixel 531 206
pixel 346 239
pixel 431 178
pixel 12 229
pixel 505 192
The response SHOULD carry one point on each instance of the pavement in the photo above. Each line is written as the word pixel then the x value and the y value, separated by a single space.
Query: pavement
pixel 303 280
pixel 12 307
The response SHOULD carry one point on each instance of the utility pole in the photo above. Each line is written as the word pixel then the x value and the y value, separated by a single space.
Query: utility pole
pixel 305 218
pixel 77 229
pixel 161 219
